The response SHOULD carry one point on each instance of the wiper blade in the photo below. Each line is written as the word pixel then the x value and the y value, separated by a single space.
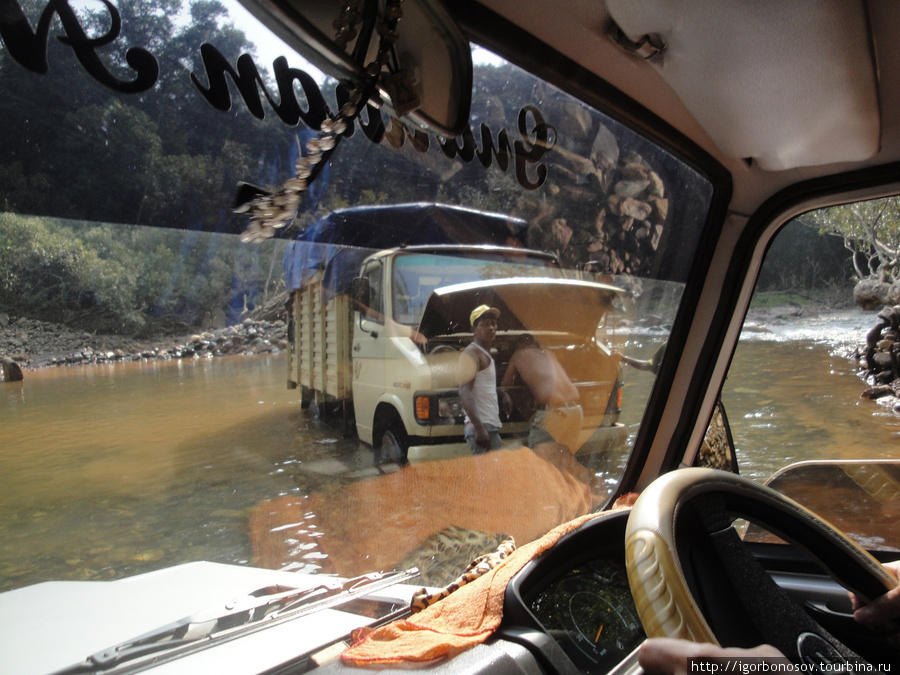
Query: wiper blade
pixel 238 617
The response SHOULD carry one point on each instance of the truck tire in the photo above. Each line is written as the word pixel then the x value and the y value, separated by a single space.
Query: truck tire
pixel 306 397
pixel 393 446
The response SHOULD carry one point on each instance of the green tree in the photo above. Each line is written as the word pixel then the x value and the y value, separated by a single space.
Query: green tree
pixel 870 231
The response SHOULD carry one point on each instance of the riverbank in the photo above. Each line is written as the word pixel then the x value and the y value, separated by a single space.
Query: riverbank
pixel 38 344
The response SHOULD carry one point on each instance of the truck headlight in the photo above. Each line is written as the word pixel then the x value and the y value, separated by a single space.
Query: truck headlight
pixel 436 408
pixel 450 406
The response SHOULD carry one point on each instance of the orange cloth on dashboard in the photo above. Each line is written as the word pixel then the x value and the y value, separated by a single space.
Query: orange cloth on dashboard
pixel 371 525
pixel 465 618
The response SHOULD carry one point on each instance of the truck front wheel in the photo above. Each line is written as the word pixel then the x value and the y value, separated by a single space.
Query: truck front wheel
pixel 393 446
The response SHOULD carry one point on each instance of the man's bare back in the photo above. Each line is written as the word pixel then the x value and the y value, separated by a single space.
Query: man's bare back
pixel 540 371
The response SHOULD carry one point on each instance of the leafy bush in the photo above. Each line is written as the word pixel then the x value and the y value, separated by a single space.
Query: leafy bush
pixel 120 279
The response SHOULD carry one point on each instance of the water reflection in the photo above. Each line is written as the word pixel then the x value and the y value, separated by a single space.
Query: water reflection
pixel 109 471
pixel 794 401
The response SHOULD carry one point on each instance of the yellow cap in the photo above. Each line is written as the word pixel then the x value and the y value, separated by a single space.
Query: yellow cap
pixel 480 311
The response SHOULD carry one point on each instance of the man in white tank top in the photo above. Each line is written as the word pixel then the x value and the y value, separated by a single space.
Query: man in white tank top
pixel 478 383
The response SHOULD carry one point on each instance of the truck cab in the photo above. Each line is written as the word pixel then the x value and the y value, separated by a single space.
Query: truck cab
pixel 410 324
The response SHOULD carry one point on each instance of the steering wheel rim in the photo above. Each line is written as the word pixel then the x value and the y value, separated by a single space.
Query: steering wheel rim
pixel 664 601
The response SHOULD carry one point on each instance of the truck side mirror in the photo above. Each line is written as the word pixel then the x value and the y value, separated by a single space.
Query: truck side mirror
pixel 359 292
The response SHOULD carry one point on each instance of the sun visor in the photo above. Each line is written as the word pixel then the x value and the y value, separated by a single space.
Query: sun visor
pixel 786 84
pixel 526 304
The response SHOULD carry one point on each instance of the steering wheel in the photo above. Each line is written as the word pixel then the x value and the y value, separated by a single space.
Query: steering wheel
pixel 693 578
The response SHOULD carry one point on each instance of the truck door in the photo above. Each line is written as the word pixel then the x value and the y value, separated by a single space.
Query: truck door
pixel 368 352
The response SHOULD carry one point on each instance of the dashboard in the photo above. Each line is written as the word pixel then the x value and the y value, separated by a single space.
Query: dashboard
pixel 577 595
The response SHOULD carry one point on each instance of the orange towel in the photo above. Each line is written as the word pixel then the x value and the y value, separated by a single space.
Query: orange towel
pixel 462 620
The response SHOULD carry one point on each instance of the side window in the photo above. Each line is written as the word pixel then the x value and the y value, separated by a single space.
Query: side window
pixel 374 275
pixel 811 392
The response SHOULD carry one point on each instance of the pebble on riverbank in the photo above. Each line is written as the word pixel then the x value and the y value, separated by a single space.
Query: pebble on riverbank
pixel 37 344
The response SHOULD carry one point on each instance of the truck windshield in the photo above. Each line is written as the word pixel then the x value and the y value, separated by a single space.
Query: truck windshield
pixel 416 275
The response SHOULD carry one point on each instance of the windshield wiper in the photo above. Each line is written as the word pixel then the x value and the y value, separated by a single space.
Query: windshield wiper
pixel 260 609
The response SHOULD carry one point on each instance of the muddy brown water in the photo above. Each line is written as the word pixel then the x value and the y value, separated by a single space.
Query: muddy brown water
pixel 109 471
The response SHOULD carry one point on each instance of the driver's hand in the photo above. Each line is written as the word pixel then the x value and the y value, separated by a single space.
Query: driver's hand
pixel 881 609
pixel 670 657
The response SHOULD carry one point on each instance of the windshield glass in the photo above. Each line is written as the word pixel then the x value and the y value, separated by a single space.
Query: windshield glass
pixel 416 275
pixel 183 381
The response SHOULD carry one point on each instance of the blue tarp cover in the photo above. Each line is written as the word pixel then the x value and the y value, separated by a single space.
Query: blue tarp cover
pixel 339 242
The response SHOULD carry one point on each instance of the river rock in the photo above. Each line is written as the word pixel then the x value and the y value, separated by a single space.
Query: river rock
pixel 871 294
pixel 10 371
pixel 877 392
pixel 616 207
pixel 30 343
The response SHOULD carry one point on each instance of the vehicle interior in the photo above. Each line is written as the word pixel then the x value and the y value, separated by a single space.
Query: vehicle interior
pixel 730 119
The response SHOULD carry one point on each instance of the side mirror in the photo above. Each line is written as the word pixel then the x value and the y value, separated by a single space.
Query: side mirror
pixel 858 496
pixel 360 294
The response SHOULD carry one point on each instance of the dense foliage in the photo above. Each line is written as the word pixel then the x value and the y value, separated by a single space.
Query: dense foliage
pixel 121 279
pixel 173 160
pixel 175 164
pixel 870 230
pixel 804 262
pixel 74 152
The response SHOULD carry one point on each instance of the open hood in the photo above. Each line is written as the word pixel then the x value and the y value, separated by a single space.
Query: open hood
pixel 525 304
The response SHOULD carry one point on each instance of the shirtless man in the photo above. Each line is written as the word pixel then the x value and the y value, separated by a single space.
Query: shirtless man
pixel 558 418
pixel 478 383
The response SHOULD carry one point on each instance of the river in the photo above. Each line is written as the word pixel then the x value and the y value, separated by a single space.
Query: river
pixel 147 464
pixel 108 471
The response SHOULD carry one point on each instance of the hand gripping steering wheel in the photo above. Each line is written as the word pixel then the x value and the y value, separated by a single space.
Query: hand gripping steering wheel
pixel 693 578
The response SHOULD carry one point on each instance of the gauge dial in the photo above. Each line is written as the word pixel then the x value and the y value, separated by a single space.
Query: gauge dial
pixel 591 611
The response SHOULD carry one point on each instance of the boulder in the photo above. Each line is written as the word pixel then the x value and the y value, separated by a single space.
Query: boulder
pixel 871 294
pixel 10 371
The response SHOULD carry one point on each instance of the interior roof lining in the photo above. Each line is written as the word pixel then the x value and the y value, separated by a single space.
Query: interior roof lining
pixel 812 72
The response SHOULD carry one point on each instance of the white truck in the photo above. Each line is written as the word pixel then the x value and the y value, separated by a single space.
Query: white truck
pixel 380 349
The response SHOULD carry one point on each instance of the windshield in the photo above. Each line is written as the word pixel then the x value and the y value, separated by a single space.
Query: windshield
pixel 416 275
pixel 179 386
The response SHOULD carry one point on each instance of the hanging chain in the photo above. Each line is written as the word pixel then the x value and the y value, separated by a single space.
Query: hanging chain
pixel 271 212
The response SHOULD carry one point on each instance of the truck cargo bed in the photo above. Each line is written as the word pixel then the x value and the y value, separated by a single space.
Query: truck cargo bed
pixel 320 355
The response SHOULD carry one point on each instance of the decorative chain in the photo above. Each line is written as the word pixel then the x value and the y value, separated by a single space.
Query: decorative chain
pixel 273 211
